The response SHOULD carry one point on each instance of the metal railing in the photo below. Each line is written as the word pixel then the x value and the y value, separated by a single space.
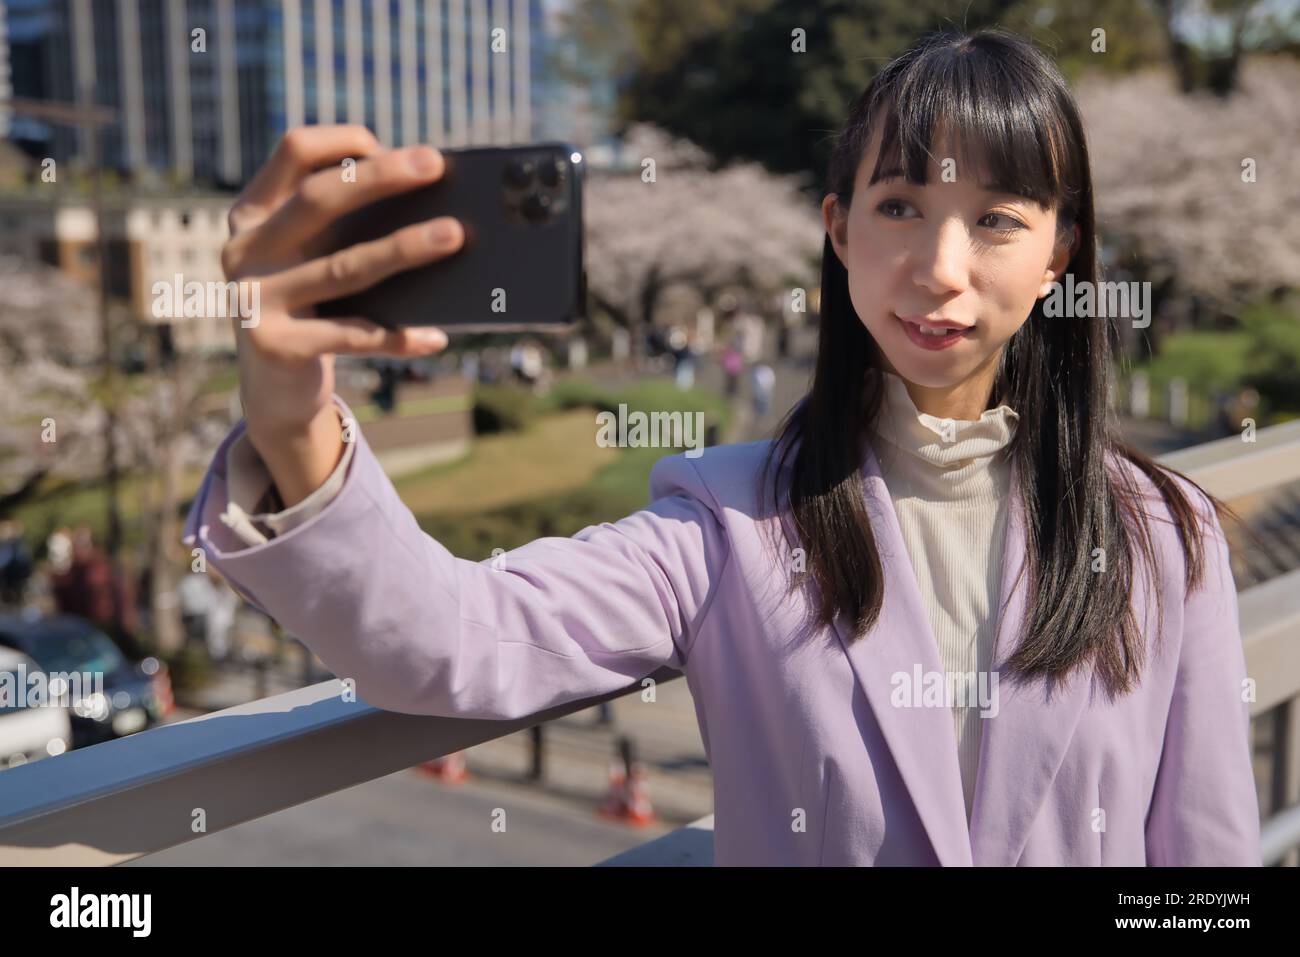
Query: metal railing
pixel 159 788
pixel 154 790
pixel 1232 470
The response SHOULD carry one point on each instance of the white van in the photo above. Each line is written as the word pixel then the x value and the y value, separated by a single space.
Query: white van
pixel 27 733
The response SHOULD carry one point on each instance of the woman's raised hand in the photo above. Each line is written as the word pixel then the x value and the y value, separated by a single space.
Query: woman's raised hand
pixel 286 354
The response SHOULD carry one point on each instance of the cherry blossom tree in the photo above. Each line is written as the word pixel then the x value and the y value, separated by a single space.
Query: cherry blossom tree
pixel 671 221
pixel 1203 188
pixel 49 420
pixel 54 419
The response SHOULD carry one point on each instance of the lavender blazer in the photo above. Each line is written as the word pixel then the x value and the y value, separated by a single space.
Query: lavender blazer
pixel 813 760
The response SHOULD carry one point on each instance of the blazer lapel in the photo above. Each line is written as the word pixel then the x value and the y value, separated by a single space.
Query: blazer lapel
pixel 1023 743
pixel 900 649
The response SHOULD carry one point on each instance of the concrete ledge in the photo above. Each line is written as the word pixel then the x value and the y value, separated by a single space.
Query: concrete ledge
pixel 689 846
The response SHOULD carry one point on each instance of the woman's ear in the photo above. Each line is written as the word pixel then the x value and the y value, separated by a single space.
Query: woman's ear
pixel 1061 257
pixel 835 217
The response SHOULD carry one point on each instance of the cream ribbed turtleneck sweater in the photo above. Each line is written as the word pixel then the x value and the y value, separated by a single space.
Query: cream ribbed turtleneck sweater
pixel 949 482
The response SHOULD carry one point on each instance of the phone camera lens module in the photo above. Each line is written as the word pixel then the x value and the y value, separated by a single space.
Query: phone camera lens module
pixel 536 207
pixel 520 173
pixel 552 174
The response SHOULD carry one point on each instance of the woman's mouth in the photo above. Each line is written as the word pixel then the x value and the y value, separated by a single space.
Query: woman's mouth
pixel 932 337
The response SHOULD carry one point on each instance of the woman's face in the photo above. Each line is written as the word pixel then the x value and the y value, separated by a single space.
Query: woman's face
pixel 952 251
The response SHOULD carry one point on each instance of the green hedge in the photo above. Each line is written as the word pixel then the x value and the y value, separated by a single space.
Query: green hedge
pixel 1205 360
pixel 1263 353
pixel 644 395
pixel 502 408
pixel 1274 355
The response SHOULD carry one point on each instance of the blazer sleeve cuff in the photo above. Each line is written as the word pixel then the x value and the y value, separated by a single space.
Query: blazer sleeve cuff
pixel 253 510
pixel 228 519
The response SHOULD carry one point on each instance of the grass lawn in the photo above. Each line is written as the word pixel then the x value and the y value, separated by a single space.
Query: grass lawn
pixel 557 454
pixel 617 490
pixel 618 487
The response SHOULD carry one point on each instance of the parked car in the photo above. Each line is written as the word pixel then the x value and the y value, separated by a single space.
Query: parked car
pixel 29 730
pixel 136 695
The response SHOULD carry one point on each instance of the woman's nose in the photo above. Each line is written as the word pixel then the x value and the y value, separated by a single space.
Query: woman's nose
pixel 941 262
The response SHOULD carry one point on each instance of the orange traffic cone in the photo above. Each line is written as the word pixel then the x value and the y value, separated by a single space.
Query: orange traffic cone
pixel 639 812
pixel 449 769
pixel 626 800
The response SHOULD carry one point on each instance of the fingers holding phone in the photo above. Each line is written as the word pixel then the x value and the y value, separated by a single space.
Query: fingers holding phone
pixel 347 185
pixel 286 362
pixel 294 290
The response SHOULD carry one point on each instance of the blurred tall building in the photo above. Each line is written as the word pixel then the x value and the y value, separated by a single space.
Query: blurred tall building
pixel 205 88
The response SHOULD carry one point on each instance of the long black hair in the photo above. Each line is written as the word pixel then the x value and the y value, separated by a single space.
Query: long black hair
pixel 1004 100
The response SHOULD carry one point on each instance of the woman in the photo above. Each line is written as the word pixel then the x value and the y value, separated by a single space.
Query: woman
pixel 947 618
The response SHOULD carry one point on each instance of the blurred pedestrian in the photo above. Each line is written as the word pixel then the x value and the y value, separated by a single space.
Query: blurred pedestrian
pixel 749 333
pixel 58 548
pixel 194 593
pixel 15 562
pixel 732 366
pixel 220 622
pixel 530 365
pixel 92 588
pixel 385 395
pixel 683 358
pixel 762 381
pixel 469 366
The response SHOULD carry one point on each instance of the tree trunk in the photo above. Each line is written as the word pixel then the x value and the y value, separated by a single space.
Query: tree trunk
pixel 169 633
pixel 1179 53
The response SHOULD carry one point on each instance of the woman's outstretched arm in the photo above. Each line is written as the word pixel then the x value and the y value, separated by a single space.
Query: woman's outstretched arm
pixel 424 632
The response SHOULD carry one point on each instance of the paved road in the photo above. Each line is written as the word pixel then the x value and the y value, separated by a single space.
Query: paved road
pixel 409 818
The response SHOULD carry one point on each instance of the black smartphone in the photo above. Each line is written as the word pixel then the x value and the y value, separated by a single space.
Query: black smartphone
pixel 521 266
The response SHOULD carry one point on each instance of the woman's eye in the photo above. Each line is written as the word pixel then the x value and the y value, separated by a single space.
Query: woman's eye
pixel 889 206
pixel 1006 224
